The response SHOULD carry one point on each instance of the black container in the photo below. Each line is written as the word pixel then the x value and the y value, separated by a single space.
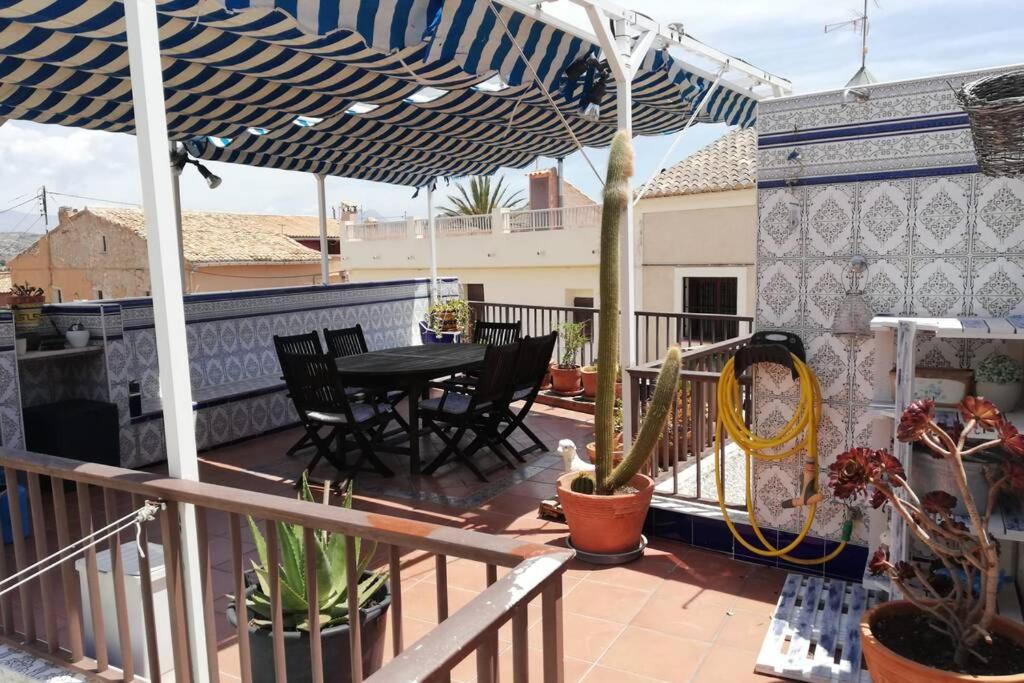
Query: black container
pixel 78 429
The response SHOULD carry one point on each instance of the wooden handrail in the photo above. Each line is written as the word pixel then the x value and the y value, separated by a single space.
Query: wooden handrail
pixel 433 538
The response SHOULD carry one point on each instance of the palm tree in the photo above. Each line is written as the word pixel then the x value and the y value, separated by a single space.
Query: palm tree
pixel 482 198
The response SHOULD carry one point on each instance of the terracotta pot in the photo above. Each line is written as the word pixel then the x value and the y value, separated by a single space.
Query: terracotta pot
pixel 616 456
pixel 605 524
pixel 589 378
pixel 546 382
pixel 565 380
pixel 885 666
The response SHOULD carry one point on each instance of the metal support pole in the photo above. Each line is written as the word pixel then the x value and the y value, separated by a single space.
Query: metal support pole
pixel 432 229
pixel 321 205
pixel 168 306
pixel 179 231
pixel 561 183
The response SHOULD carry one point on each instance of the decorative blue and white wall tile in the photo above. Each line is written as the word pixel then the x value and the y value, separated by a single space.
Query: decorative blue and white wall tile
pixel 892 178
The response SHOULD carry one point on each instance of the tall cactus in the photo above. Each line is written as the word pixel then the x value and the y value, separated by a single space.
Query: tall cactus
pixel 617 192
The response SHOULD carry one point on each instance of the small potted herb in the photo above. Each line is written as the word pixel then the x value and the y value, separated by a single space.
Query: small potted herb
pixel 446 321
pixel 332 603
pixel 77 336
pixel 945 628
pixel 998 379
pixel 566 375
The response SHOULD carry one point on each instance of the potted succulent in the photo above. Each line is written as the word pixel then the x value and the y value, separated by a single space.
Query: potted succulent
pixel 566 375
pixel 332 598
pixel 946 627
pixel 998 379
pixel 27 304
pixel 445 322
pixel 76 335
pixel 605 509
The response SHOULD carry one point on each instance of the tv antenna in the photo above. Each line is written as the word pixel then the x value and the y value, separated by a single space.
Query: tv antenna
pixel 858 23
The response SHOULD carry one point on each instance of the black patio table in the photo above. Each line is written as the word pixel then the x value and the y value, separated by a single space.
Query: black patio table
pixel 410 368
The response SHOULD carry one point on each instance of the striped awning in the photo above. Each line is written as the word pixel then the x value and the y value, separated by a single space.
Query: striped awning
pixel 399 91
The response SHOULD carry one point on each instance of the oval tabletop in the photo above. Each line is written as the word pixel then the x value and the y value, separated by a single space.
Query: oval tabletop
pixel 428 360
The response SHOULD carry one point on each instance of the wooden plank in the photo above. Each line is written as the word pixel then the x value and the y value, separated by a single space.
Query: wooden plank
pixel 851 658
pixel 803 633
pixel 823 666
pixel 769 659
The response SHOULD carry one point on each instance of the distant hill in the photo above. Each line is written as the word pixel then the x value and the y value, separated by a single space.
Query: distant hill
pixel 13 243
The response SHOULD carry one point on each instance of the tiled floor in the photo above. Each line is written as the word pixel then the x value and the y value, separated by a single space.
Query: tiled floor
pixel 677 614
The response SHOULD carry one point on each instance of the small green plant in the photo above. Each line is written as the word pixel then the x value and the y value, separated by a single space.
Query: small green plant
pixel 26 290
pixel 583 483
pixel 999 369
pixel 331 573
pixel 449 315
pixel 573 337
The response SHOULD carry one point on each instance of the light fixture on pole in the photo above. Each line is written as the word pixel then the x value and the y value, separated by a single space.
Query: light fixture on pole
pixel 853 317
pixel 180 157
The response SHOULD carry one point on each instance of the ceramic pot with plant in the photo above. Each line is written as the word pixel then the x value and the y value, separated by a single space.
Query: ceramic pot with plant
pixel 605 509
pixel 332 604
pixel 27 305
pixel 946 627
pixel 588 378
pixel 998 379
pixel 77 336
pixel 566 376
pixel 617 441
pixel 445 322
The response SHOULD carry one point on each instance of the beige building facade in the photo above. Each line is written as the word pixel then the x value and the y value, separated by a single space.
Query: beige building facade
pixel 100 253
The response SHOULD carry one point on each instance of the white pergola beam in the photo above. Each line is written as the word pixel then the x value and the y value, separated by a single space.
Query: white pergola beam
pixel 168 306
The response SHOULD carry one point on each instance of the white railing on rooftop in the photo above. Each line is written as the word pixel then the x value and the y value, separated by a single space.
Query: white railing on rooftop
pixel 526 220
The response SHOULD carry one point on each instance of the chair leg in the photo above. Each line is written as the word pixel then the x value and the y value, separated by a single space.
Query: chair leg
pixel 366 448
pixel 519 422
pixel 303 443
pixel 451 446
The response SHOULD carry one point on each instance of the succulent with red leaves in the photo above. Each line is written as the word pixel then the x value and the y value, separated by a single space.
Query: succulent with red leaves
pixel 1011 439
pixel 1014 473
pixel 904 570
pixel 981 410
pixel 851 473
pixel 938 503
pixel 878 499
pixel 916 420
pixel 879 562
pixel 889 465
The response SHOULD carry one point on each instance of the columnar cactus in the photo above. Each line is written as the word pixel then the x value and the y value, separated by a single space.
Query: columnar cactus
pixel 617 192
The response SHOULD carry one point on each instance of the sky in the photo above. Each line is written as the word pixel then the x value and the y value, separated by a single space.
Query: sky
pixel 908 39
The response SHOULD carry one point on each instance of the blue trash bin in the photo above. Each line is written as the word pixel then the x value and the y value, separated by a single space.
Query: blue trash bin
pixel 5 515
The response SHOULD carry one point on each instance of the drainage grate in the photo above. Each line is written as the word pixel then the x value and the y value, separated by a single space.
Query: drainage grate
pixel 815 631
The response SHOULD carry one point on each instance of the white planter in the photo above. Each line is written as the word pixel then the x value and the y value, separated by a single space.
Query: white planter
pixel 77 339
pixel 1005 396
pixel 136 619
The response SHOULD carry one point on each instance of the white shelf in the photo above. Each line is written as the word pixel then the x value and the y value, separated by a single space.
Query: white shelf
pixel 1011 327
pixel 57 354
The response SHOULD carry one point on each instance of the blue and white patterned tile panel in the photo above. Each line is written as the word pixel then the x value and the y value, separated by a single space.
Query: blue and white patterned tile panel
pixel 11 426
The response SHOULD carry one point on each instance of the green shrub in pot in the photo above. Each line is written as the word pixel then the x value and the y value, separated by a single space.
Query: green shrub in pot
pixel 998 379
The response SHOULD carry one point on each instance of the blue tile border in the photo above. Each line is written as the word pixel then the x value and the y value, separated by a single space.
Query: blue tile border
pixel 865 177
pixel 709 532
pixel 904 126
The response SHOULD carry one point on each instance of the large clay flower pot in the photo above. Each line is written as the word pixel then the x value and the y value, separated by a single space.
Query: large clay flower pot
pixel 565 380
pixel 605 524
pixel 616 456
pixel 589 376
pixel 885 666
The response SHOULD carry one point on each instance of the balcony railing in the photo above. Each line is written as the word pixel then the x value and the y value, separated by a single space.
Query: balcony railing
pixel 690 432
pixel 655 331
pixel 48 614
pixel 568 218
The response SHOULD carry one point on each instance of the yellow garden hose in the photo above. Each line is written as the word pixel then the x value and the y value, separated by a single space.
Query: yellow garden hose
pixel 801 432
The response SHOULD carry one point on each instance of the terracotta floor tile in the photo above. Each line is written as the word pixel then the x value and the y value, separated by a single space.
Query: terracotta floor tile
pixel 729 664
pixel 672 613
pixel 646 573
pixel 586 638
pixel 603 601
pixel 575 669
pixel 654 654
pixel 602 674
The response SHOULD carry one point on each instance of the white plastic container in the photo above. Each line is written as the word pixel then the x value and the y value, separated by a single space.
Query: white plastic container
pixel 133 598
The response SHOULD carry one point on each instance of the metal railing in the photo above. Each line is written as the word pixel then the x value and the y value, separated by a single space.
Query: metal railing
pixel 48 616
pixel 690 432
pixel 568 218
pixel 655 331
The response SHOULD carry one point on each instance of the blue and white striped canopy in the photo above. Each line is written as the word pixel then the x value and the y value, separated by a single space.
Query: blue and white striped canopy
pixel 399 91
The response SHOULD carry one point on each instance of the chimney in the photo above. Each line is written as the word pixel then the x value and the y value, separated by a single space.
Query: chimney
pixel 65 213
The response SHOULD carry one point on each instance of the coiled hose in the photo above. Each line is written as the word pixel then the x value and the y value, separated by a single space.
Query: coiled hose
pixel 801 431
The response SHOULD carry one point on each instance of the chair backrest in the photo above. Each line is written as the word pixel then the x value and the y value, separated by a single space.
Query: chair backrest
pixel 497 333
pixel 347 341
pixel 307 344
pixel 534 356
pixel 497 373
pixel 314 384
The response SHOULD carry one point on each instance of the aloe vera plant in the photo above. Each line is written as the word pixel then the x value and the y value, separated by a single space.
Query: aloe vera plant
pixel 331 573
pixel 608 477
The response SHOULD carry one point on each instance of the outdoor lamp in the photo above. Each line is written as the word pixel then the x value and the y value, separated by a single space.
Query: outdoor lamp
pixel 180 157
pixel 212 180
pixel 853 317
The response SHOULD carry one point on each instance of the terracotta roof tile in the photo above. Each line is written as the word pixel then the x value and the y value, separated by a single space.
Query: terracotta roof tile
pixel 231 237
pixel 728 163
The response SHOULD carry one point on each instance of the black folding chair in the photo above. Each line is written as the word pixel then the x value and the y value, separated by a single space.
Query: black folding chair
pixel 350 341
pixel 476 408
pixel 317 391
pixel 497 333
pixel 532 366
pixel 307 344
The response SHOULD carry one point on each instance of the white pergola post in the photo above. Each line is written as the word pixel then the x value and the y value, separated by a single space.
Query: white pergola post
pixel 432 229
pixel 168 306
pixel 321 205
pixel 624 58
